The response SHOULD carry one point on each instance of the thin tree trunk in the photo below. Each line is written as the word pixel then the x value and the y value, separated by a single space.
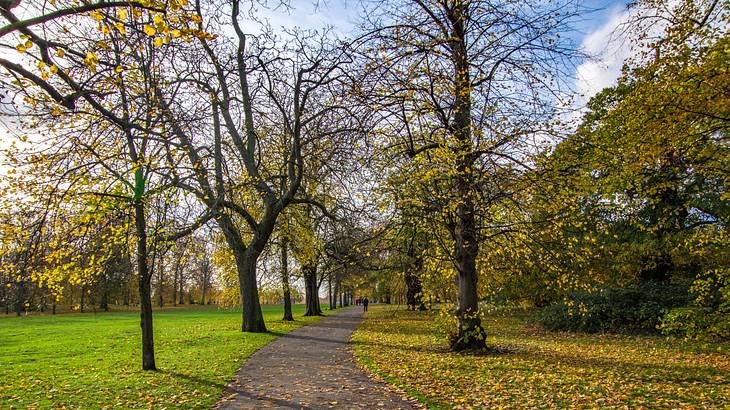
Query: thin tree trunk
pixel 20 298
pixel 145 297
pixel 174 284
pixel 182 289
pixel 160 281
pixel 104 302
pixel 285 279
pixel 83 297
pixel 206 274
pixel 334 294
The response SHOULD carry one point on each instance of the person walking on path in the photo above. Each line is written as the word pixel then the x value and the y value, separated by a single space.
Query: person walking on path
pixel 365 302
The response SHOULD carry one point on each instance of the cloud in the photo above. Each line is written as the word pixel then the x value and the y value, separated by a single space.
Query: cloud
pixel 609 46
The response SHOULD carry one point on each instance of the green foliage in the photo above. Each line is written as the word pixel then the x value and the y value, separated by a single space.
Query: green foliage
pixel 538 369
pixel 635 309
pixel 696 323
pixel 92 361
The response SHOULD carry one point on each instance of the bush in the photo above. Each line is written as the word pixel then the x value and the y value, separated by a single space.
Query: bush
pixel 635 309
pixel 696 323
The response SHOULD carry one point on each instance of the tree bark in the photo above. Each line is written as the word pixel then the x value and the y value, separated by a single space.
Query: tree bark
pixel 252 317
pixel 285 279
pixel 174 284
pixel 160 281
pixel 246 258
pixel 145 297
pixel 335 292
pixel 104 302
pixel 182 289
pixel 311 294
pixel 83 298
pixel 414 297
pixel 19 298
pixel 466 247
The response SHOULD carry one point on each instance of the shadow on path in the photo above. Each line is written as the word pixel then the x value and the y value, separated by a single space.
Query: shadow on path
pixel 310 368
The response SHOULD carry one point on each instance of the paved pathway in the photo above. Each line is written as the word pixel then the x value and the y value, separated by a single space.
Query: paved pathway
pixel 310 368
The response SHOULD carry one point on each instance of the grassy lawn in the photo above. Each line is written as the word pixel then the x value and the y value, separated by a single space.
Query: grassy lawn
pixel 541 369
pixel 92 361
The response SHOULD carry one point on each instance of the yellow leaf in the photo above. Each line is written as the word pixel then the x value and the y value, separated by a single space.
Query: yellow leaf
pixel 122 14
pixel 158 42
pixel 149 30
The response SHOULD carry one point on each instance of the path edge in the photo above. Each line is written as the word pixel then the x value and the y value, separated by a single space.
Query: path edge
pixel 395 388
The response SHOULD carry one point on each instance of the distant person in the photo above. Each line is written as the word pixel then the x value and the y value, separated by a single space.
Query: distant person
pixel 365 303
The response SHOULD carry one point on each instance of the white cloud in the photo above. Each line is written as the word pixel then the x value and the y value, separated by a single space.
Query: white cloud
pixel 609 46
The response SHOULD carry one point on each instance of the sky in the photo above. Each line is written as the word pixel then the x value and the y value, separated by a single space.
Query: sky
pixel 594 32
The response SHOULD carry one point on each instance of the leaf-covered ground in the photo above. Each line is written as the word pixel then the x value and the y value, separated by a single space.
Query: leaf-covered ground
pixel 89 361
pixel 539 369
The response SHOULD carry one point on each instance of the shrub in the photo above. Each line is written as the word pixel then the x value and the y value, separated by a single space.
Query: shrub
pixel 696 323
pixel 635 309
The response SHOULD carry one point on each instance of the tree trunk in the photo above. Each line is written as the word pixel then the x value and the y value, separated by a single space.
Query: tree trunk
pixel 83 297
pixel 160 282
pixel 466 247
pixel 414 296
pixel 145 297
pixel 174 285
pixel 20 298
pixel 285 280
pixel 246 258
pixel 104 302
pixel 335 292
pixel 252 317
pixel 182 289
pixel 311 292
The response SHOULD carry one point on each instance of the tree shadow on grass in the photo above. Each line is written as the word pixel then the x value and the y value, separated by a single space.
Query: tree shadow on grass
pixel 644 372
pixel 197 380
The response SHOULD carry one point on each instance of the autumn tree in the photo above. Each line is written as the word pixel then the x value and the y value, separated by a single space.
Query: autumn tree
pixel 467 86
pixel 95 68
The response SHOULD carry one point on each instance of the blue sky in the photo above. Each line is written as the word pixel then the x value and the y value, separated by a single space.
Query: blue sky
pixel 593 31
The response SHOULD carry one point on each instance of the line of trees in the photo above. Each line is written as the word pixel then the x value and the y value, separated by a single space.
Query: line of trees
pixel 162 138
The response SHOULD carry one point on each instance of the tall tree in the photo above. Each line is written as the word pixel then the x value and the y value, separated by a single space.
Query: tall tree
pixel 466 85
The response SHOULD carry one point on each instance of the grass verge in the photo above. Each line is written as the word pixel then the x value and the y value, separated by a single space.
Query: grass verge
pixel 92 361
pixel 540 369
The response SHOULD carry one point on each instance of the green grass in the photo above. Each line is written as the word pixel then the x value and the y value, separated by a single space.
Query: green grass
pixel 540 369
pixel 90 361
